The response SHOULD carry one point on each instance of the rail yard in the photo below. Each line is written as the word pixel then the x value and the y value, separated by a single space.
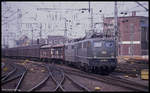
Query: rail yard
pixel 75 46
pixel 57 77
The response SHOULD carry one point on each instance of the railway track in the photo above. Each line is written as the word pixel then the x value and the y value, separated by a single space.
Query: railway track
pixel 7 74
pixel 43 83
pixel 13 78
pixel 78 85
pixel 15 73
pixel 67 80
pixel 27 85
pixel 49 83
pixel 134 85
pixel 17 81
pixel 113 80
pixel 57 80
pixel 60 79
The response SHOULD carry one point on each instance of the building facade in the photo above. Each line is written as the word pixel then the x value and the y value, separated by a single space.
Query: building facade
pixel 133 34
pixel 54 40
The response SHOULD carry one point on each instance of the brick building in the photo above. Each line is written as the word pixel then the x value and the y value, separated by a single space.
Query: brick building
pixel 133 34
pixel 53 40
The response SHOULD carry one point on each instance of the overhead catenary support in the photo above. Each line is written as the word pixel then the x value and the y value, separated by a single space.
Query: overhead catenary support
pixel 91 14
pixel 19 21
pixel 32 34
pixel 115 34
pixel 40 31
pixel 56 10
pixel 14 18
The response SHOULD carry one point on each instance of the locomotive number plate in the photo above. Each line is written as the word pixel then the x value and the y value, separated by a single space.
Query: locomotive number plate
pixel 104 52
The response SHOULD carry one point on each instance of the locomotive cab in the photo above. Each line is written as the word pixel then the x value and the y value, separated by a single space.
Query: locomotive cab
pixel 104 49
pixel 104 56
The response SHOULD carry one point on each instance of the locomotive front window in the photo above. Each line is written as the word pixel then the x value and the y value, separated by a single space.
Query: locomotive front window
pixel 88 44
pixel 97 44
pixel 109 44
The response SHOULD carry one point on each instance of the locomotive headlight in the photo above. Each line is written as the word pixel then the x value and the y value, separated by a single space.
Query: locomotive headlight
pixel 104 52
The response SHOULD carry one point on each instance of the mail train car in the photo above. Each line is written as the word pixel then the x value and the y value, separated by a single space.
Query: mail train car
pixel 52 53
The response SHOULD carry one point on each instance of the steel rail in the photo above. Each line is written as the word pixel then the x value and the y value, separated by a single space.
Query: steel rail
pixel 14 77
pixel 128 82
pixel 5 76
pixel 58 83
pixel 107 80
pixel 78 84
pixel 42 82
pixel 21 79
pixel 116 79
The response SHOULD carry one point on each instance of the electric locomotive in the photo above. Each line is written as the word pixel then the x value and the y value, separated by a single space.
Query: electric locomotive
pixel 92 54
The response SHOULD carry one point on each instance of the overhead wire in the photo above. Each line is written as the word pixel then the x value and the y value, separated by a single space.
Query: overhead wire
pixel 142 6
pixel 15 18
pixel 11 15
pixel 129 10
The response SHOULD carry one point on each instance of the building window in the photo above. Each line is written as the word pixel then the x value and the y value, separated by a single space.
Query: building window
pixel 80 45
pixel 88 44
pixel 144 45
pixel 143 34
pixel 72 46
pixel 84 44
pixel 109 44
pixel 97 44
pixel 142 21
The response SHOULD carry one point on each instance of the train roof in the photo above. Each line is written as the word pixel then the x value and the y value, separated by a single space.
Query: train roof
pixel 59 45
pixel 47 46
pixel 90 39
pixel 31 46
pixel 22 47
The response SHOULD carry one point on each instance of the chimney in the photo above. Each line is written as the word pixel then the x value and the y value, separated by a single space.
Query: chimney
pixel 133 13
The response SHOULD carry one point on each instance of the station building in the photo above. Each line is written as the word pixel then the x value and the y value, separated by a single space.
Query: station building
pixel 133 34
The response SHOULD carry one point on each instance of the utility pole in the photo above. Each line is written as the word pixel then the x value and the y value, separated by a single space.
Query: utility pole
pixel 19 16
pixel 65 32
pixel 40 34
pixel 116 27
pixel 32 34
pixel 6 30
pixel 131 38
pixel 91 12
pixel 6 33
pixel 40 30
pixel 103 23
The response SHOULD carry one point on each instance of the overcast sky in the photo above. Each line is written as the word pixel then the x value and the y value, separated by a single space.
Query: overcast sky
pixel 56 26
